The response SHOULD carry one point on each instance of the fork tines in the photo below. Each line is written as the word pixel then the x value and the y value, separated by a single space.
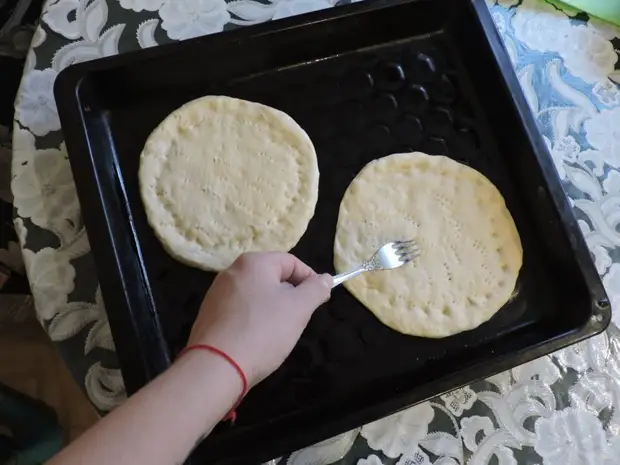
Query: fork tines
pixel 406 250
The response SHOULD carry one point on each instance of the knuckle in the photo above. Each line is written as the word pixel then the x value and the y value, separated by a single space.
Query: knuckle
pixel 245 259
pixel 225 276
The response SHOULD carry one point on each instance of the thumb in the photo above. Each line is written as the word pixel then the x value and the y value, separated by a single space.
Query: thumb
pixel 314 290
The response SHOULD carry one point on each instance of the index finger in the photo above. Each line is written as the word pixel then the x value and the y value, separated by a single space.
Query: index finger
pixel 290 268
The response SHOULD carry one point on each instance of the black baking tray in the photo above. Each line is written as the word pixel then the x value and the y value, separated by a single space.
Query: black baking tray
pixel 365 81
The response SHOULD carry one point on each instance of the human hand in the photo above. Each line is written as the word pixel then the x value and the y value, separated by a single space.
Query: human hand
pixel 256 310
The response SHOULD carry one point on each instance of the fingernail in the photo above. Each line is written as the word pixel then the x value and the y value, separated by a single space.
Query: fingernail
pixel 327 280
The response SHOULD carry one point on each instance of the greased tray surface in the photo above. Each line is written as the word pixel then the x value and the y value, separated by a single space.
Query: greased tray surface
pixel 364 82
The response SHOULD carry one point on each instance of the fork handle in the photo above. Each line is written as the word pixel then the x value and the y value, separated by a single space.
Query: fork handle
pixel 342 277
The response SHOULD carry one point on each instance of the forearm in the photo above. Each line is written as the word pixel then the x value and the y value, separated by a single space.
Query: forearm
pixel 161 423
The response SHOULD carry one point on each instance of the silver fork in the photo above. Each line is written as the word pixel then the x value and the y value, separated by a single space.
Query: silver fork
pixel 389 256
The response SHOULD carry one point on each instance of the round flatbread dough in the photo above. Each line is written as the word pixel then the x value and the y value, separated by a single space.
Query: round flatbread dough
pixel 470 250
pixel 221 176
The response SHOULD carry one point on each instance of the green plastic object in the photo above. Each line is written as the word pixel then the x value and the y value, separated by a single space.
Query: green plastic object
pixel 608 10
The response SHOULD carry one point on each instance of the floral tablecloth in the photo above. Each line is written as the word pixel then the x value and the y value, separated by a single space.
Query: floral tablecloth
pixel 562 409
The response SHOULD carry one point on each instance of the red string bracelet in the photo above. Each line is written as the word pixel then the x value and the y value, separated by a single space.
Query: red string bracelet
pixel 232 415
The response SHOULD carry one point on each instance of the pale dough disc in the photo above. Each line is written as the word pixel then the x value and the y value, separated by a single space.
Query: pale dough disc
pixel 470 250
pixel 221 176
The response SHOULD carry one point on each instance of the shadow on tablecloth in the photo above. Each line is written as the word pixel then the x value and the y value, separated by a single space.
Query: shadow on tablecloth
pixel 18 19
